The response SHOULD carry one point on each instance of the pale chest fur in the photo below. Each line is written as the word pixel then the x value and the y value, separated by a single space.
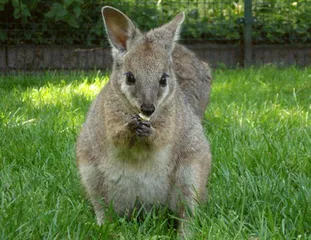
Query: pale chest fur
pixel 144 177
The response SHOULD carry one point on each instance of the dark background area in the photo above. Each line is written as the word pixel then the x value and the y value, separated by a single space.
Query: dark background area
pixel 33 32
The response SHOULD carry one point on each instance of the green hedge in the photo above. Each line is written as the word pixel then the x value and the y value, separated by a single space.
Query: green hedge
pixel 80 22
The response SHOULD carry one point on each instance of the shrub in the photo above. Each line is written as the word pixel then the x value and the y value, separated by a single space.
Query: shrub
pixel 79 22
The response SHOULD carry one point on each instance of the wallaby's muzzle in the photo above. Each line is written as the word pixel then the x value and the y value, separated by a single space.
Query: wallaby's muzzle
pixel 147 109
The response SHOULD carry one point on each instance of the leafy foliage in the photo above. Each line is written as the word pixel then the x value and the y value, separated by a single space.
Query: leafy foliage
pixel 80 22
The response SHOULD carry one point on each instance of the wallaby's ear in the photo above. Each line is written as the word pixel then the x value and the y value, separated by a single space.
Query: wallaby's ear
pixel 175 25
pixel 119 27
pixel 169 33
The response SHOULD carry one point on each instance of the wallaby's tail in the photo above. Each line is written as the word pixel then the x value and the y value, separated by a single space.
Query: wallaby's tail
pixel 194 78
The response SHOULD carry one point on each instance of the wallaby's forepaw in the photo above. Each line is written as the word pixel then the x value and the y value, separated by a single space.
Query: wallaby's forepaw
pixel 140 127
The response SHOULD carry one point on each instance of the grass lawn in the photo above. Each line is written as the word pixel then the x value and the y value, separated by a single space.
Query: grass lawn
pixel 259 127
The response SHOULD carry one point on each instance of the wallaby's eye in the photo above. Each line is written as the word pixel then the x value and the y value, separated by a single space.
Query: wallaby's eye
pixel 163 80
pixel 130 79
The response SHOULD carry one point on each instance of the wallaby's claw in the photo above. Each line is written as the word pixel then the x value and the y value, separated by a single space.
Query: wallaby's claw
pixel 142 128
pixel 135 122
pixel 143 131
pixel 146 123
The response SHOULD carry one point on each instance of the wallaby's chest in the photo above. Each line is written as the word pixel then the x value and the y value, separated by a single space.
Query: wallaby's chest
pixel 146 180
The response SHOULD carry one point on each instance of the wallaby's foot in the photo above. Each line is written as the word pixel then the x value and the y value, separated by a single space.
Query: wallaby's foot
pixel 140 127
pixel 99 212
pixel 100 218
pixel 184 231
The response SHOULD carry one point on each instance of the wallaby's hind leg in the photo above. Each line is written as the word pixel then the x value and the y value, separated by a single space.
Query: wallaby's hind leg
pixel 92 180
pixel 190 190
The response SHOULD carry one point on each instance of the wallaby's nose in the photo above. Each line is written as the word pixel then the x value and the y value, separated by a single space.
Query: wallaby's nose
pixel 147 109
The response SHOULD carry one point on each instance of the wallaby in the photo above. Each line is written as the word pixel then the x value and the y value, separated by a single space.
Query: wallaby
pixel 143 141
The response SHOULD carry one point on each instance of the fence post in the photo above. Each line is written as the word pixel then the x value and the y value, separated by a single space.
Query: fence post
pixel 248 21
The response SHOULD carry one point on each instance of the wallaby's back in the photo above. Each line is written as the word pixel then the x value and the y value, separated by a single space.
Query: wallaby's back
pixel 194 78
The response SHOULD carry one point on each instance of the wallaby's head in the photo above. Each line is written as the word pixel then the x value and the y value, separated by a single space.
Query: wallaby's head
pixel 142 68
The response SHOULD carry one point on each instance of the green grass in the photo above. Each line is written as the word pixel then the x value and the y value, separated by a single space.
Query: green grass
pixel 259 127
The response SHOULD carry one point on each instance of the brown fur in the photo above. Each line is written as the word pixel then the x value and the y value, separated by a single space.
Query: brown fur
pixel 172 161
